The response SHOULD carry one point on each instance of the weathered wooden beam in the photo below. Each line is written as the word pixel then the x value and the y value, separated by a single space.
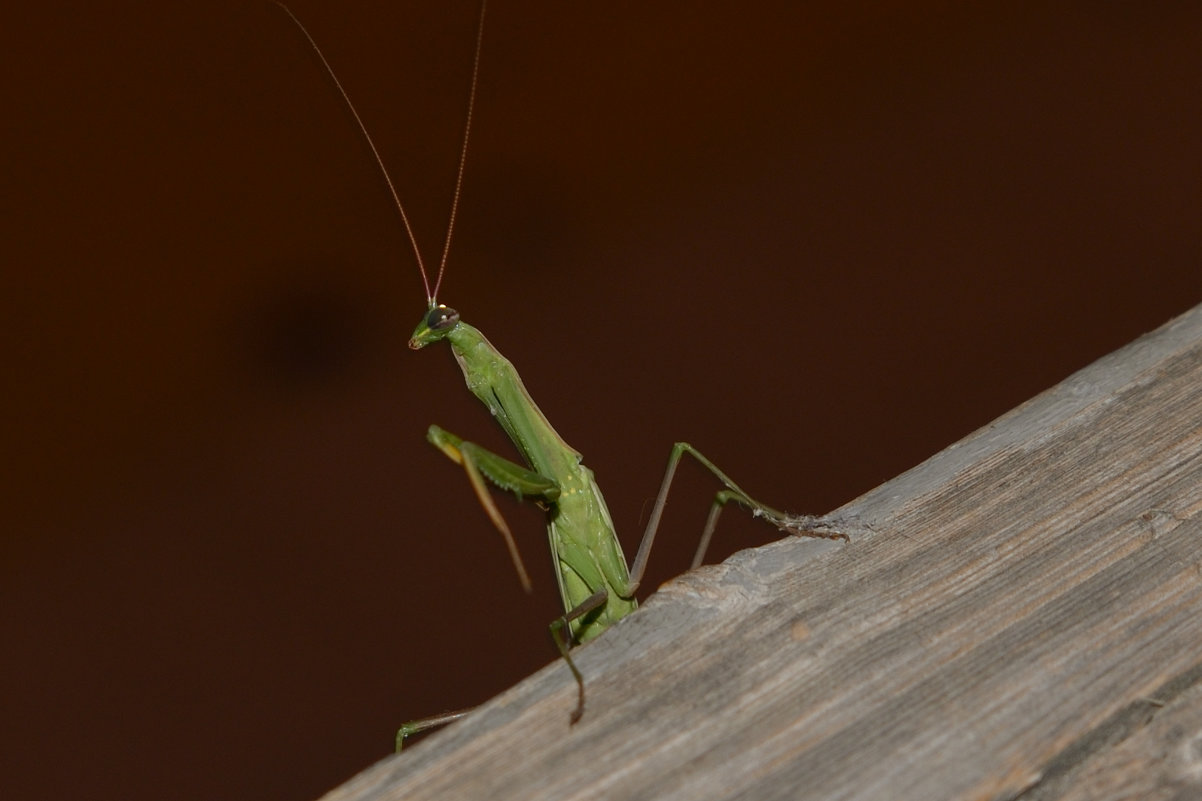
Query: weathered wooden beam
pixel 1008 617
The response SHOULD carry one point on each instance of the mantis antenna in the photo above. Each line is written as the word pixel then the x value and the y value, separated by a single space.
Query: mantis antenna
pixel 467 129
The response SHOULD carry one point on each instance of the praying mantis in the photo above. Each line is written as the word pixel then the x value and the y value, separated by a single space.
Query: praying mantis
pixel 595 584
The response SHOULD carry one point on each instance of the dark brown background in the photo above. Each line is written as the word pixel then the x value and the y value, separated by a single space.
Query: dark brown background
pixel 819 240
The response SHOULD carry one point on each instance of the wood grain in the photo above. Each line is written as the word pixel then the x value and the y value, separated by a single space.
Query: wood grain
pixel 1020 616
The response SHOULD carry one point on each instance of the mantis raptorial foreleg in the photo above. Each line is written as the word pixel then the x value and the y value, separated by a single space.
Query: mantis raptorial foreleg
pixel 480 463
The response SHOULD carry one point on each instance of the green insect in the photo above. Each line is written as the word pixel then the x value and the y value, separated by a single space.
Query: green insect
pixel 596 587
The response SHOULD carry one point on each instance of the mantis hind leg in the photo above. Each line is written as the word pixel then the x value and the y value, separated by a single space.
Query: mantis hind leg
pixel 733 492
pixel 793 524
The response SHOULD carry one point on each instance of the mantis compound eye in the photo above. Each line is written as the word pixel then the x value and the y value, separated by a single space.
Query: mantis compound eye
pixel 441 318
pixel 438 323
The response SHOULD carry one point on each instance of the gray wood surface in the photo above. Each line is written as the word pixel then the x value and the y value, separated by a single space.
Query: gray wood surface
pixel 1018 616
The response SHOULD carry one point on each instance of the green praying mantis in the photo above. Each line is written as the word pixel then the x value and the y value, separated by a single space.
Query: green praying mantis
pixel 595 584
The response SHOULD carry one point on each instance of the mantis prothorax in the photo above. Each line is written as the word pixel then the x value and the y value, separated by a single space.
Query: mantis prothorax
pixel 596 587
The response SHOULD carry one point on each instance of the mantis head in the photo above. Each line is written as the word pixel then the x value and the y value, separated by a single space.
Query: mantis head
pixel 437 323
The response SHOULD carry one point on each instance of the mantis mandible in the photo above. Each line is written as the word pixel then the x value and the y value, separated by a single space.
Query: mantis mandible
pixel 595 584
